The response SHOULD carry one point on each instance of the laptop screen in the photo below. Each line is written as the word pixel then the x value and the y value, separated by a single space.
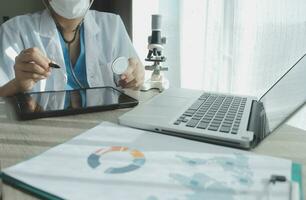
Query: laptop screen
pixel 287 95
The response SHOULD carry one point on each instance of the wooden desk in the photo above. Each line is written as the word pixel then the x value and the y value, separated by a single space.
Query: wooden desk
pixel 20 141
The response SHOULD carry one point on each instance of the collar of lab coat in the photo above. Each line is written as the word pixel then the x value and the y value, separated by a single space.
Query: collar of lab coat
pixel 48 27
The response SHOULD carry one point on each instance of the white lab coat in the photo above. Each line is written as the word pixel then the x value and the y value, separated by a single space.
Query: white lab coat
pixel 105 40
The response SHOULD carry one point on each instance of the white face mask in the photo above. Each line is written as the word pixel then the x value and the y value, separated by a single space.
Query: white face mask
pixel 70 9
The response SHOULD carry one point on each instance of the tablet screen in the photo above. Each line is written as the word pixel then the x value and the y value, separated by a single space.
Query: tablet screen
pixel 47 104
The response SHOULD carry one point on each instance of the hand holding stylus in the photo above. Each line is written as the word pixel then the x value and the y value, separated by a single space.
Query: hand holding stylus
pixel 30 67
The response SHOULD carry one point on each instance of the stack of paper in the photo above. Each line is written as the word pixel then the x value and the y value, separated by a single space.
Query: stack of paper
pixel 115 162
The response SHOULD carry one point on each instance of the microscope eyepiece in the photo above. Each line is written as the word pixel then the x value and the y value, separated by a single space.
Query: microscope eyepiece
pixel 156 37
pixel 156 22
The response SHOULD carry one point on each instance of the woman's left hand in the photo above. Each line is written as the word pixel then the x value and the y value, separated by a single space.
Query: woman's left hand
pixel 133 77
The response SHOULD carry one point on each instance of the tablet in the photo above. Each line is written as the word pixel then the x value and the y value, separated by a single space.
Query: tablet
pixel 58 103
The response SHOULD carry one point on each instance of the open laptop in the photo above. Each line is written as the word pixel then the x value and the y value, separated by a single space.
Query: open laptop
pixel 237 121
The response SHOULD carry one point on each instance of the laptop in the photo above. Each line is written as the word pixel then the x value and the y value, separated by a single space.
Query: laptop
pixel 225 119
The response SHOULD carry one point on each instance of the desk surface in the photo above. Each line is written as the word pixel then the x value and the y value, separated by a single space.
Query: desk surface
pixel 20 141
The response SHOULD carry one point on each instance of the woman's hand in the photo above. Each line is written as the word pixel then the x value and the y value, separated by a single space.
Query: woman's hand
pixel 133 77
pixel 30 67
pixel 30 105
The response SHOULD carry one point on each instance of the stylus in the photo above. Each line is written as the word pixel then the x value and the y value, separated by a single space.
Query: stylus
pixel 52 65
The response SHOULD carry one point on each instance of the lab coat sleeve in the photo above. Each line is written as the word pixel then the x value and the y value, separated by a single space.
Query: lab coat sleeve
pixel 10 46
pixel 123 44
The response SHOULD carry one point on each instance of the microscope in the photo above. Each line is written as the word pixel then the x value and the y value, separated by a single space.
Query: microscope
pixel 155 55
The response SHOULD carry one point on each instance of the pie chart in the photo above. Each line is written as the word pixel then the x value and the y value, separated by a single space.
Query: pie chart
pixel 95 159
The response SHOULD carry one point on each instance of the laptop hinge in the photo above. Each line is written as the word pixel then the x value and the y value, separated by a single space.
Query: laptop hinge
pixel 258 123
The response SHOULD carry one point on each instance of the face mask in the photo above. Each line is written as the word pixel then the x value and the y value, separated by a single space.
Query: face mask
pixel 70 9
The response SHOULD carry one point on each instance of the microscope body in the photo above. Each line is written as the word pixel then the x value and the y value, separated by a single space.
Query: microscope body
pixel 155 55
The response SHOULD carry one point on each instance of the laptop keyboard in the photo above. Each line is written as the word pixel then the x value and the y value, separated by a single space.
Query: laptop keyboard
pixel 214 112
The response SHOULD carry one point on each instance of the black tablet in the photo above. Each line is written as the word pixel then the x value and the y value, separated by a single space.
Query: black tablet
pixel 58 103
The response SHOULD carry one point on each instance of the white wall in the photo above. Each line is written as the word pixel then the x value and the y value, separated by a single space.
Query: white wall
pixel 12 8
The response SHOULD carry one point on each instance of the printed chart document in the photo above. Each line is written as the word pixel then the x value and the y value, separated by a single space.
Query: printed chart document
pixel 115 162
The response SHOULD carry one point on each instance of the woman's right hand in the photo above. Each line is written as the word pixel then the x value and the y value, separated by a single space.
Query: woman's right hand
pixel 30 67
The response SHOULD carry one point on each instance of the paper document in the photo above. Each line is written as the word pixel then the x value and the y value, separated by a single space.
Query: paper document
pixel 115 162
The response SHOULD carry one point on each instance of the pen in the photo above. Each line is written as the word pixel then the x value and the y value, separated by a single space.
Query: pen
pixel 277 178
pixel 52 65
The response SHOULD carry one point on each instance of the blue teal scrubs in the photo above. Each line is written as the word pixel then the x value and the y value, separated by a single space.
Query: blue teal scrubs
pixel 79 68
pixel 80 65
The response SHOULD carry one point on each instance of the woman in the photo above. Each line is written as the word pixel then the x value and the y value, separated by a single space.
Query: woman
pixel 82 42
